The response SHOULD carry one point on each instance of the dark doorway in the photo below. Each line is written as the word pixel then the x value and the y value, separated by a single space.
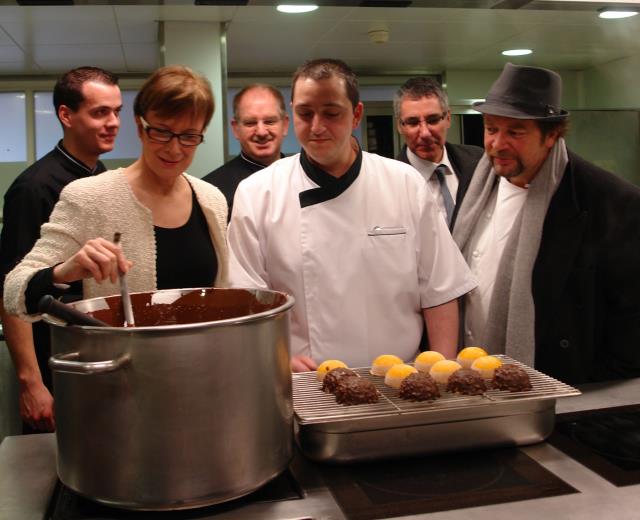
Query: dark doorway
pixel 379 135
pixel 472 129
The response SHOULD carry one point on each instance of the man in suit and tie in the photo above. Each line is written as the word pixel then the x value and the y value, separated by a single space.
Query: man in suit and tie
pixel 553 240
pixel 423 117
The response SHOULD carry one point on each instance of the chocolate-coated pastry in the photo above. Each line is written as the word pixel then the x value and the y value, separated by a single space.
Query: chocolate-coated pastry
pixel 333 377
pixel 467 382
pixel 512 378
pixel 419 387
pixel 355 390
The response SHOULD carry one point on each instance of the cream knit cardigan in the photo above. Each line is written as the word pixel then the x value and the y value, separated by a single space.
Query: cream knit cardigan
pixel 98 207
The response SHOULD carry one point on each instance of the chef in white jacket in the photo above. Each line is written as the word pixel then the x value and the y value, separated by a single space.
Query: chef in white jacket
pixel 356 238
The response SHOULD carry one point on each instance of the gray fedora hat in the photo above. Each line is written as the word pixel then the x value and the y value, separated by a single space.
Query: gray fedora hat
pixel 525 93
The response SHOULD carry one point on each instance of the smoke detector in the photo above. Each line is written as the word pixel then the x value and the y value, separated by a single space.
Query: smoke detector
pixel 378 34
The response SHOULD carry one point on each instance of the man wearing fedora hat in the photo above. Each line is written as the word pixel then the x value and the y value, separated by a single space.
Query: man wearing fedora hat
pixel 553 240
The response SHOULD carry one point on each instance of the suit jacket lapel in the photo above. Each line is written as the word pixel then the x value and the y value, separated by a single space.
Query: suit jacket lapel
pixel 402 156
pixel 463 171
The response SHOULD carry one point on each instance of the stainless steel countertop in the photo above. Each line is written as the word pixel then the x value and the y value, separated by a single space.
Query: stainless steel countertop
pixel 28 476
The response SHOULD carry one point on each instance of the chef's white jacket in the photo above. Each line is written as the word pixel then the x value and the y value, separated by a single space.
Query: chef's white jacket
pixel 361 263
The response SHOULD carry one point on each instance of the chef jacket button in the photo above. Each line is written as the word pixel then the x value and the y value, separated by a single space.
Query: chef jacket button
pixel 564 343
pixel 476 253
pixel 488 215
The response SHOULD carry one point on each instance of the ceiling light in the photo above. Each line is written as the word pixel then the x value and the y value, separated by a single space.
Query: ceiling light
pixel 612 14
pixel 288 8
pixel 516 52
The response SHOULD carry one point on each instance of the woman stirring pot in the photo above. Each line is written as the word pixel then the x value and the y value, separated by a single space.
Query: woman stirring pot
pixel 173 226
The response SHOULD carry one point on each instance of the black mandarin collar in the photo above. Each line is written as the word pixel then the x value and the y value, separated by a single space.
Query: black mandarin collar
pixel 253 163
pixel 99 168
pixel 329 187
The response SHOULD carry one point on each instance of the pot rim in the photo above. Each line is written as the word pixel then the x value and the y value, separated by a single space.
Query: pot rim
pixel 290 300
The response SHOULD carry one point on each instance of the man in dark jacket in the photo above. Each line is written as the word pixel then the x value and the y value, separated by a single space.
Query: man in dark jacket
pixel 260 123
pixel 553 240
pixel 423 117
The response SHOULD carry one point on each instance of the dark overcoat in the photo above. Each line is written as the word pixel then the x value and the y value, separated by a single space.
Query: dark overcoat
pixel 586 278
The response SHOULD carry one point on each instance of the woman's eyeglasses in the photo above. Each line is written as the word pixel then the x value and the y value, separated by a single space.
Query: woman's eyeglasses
pixel 160 135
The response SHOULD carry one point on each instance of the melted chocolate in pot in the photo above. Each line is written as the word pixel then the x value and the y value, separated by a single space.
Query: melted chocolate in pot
pixel 197 306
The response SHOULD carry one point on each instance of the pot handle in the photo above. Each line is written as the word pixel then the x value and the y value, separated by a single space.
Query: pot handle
pixel 66 362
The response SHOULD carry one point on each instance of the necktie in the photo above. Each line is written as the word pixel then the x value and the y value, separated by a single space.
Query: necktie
pixel 446 194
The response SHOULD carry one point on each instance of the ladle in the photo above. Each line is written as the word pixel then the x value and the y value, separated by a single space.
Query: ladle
pixel 124 292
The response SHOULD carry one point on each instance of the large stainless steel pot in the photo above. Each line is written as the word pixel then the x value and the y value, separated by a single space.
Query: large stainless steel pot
pixel 191 408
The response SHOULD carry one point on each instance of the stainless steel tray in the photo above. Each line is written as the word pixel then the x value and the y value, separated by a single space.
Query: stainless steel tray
pixel 328 431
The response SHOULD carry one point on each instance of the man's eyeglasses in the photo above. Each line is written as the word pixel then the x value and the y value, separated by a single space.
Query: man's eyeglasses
pixel 160 135
pixel 414 122
pixel 252 123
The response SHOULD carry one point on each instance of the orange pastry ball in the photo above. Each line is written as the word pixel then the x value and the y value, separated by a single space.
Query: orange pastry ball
pixel 383 363
pixel 442 370
pixel 426 360
pixel 468 355
pixel 397 373
pixel 327 365
pixel 486 366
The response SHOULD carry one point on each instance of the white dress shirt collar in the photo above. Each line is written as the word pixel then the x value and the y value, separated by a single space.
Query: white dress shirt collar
pixel 426 168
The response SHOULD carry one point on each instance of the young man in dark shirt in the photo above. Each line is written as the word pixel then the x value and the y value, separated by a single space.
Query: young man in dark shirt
pixel 87 101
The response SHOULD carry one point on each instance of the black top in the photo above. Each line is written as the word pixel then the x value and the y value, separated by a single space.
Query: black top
pixel 171 272
pixel 198 268
pixel 229 175
pixel 28 203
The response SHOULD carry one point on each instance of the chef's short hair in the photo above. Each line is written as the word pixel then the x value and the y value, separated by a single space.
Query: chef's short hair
pixel 324 68
pixel 175 90
pixel 277 95
pixel 417 88
pixel 68 88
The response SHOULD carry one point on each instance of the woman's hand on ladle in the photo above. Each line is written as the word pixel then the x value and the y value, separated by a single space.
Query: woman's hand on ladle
pixel 98 258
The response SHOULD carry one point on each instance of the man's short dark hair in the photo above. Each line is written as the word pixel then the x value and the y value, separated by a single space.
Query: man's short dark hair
pixel 325 68
pixel 547 127
pixel 68 89
pixel 417 88
pixel 237 99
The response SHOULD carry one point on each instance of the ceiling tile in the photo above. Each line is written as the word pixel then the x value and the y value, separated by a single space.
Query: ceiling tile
pixel 11 53
pixel 175 13
pixel 63 57
pixel 4 37
pixel 20 67
pixel 416 31
pixel 141 57
pixel 138 31
pixel 58 32
pixel 262 40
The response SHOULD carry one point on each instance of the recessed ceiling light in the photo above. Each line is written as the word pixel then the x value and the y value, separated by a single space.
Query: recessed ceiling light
pixel 516 52
pixel 613 14
pixel 289 8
